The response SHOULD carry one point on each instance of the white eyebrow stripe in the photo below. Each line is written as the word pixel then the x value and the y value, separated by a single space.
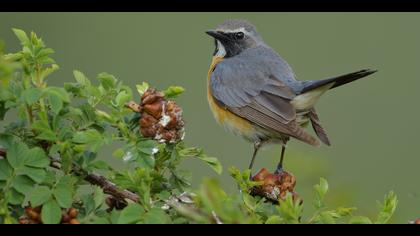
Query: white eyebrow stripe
pixel 242 29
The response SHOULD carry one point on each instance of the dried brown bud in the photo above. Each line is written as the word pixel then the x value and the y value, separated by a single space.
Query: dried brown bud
pixel 160 119
pixel 147 120
pixel 65 218
pixel 72 213
pixel 33 215
pixel 274 186
pixel 74 222
pixel 154 109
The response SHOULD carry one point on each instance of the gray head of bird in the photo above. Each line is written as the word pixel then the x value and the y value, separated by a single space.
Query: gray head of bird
pixel 233 37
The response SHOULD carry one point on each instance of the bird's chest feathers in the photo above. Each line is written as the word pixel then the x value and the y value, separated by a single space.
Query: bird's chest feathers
pixel 229 120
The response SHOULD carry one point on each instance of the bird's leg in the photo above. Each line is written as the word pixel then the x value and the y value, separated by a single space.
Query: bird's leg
pixel 257 146
pixel 280 164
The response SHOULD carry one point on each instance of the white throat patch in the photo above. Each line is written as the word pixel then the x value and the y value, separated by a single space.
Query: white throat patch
pixel 221 52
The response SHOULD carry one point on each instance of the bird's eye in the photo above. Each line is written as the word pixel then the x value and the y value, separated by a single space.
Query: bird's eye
pixel 239 35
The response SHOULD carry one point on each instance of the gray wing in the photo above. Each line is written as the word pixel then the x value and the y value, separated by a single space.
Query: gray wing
pixel 251 89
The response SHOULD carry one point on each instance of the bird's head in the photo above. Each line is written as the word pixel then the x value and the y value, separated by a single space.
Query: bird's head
pixel 233 37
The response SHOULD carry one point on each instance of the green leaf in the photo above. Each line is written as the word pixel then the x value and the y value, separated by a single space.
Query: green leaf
pixel 51 212
pixel 86 137
pixel 274 220
pixel 63 192
pixel 16 155
pixel 131 214
pixel 387 208
pixel 321 190
pixel 145 160
pixel 141 88
pixel 147 146
pixel 122 98
pixel 21 35
pixel 119 153
pixel 55 102
pixel 15 198
pixel 23 184
pixel 59 92
pixel 108 81
pixel 5 170
pixel 213 162
pixel 31 95
pixel 156 216
pixel 7 140
pixel 98 196
pixel 36 157
pixel 42 127
pixel 360 220
pixel 81 78
pixel 36 174
pixel 39 196
pixel 173 91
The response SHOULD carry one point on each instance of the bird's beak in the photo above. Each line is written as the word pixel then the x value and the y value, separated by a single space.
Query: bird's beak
pixel 216 34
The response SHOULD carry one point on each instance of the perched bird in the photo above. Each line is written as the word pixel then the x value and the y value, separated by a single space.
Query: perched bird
pixel 253 92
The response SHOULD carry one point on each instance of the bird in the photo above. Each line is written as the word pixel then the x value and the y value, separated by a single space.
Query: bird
pixel 253 92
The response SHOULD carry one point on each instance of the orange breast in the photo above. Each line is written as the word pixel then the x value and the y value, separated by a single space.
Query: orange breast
pixel 232 122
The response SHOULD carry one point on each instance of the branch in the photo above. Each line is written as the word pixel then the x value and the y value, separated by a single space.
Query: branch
pixel 107 186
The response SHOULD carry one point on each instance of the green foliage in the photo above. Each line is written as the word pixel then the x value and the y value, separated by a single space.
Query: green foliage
pixel 69 125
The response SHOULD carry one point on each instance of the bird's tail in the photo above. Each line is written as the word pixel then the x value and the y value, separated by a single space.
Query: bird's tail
pixel 313 89
pixel 336 81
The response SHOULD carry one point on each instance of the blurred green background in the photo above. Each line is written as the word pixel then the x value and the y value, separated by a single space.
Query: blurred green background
pixel 373 123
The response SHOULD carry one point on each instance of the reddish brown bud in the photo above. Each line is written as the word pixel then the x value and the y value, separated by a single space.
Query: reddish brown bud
pixel 147 120
pixel 154 109
pixel 74 222
pixel 32 214
pixel 72 213
pixel 65 218
pixel 417 221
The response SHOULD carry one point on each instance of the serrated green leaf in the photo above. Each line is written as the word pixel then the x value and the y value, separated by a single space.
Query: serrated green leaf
pixel 7 140
pixel 39 196
pixel 173 91
pixel 141 88
pixel 5 170
pixel 147 146
pixel 108 81
pixel 145 160
pixel 387 208
pixel 16 155
pixel 51 212
pixel 31 95
pixel 118 153
pixel 21 35
pixel 88 136
pixel 321 190
pixel 98 196
pixel 36 157
pixel 63 192
pixel 360 220
pixel 81 78
pixel 55 102
pixel 213 162
pixel 156 216
pixel 23 184
pixel 131 214
pixel 36 174
pixel 122 98
pixel 15 198
pixel 274 220
pixel 59 92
